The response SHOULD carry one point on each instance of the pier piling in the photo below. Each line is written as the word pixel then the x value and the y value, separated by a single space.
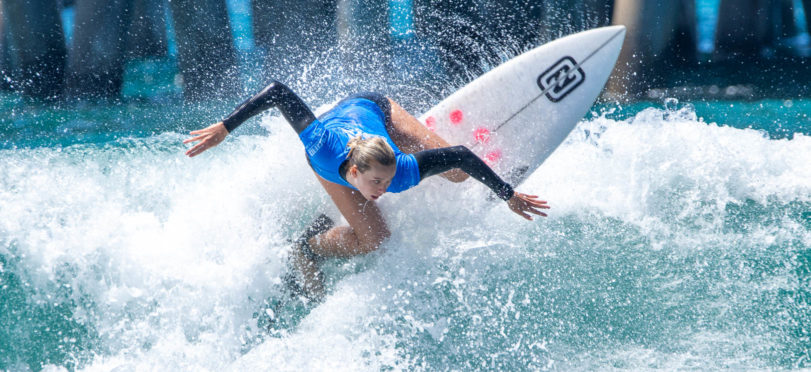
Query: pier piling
pixel 5 58
pixel 207 55
pixel 363 39
pixel 37 47
pixel 96 57
pixel 147 30
pixel 294 34
pixel 807 9
pixel 659 33
pixel 370 44
pixel 742 29
pixel 749 30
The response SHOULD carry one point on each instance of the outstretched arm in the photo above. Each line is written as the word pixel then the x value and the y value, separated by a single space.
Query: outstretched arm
pixel 274 95
pixel 436 161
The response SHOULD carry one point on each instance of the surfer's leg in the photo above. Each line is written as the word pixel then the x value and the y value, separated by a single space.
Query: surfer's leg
pixel 366 231
pixel 411 136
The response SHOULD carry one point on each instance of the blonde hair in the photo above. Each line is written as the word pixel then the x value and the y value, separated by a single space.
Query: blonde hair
pixel 363 151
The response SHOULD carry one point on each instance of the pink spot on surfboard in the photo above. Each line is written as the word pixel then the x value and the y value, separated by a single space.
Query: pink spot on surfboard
pixel 430 123
pixel 492 157
pixel 456 117
pixel 482 135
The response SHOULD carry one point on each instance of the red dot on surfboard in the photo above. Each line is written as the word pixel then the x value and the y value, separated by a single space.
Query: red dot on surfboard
pixel 493 157
pixel 430 123
pixel 482 135
pixel 456 116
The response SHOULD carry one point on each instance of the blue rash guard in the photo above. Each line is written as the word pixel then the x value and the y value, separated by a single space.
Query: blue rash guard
pixel 326 139
pixel 366 114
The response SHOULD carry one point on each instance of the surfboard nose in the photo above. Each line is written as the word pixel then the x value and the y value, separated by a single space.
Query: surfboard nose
pixel 615 40
pixel 615 28
pixel 617 31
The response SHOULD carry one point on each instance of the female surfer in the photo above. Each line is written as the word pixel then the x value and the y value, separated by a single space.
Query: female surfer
pixel 363 147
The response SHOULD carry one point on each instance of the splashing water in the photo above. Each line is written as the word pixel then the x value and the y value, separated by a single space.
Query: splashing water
pixel 672 243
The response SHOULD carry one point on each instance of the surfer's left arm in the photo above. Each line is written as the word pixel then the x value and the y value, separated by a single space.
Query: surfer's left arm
pixel 440 160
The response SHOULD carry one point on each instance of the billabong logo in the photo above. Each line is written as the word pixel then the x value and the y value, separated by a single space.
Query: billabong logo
pixel 561 79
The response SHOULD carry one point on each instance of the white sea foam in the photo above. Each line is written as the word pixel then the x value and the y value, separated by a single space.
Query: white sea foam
pixel 169 258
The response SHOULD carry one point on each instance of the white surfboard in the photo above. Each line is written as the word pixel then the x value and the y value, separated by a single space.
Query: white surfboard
pixel 515 115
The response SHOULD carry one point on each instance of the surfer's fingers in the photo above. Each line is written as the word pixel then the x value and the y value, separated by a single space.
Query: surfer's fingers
pixel 198 145
pixel 540 204
pixel 192 152
pixel 531 198
pixel 531 207
pixel 196 152
pixel 533 210
pixel 538 212
pixel 535 202
pixel 521 212
pixel 532 202
pixel 197 149
pixel 194 139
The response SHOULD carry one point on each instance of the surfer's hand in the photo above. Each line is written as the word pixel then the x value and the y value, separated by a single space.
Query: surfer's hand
pixel 523 204
pixel 208 137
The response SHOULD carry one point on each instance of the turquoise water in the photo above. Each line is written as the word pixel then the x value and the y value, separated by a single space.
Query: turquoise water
pixel 680 238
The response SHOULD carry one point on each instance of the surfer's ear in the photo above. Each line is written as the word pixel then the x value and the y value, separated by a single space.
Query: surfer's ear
pixel 353 170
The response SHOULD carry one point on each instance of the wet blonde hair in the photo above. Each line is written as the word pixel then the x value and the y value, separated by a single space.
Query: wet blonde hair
pixel 362 151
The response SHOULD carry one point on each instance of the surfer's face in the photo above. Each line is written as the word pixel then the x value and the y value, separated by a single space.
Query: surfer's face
pixel 373 183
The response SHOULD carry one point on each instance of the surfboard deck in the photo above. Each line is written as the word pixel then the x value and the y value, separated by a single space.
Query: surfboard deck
pixel 515 115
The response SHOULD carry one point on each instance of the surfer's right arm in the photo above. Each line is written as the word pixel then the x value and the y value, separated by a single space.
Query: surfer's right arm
pixel 276 95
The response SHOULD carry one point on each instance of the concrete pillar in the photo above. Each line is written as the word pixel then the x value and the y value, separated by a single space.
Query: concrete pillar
pixel 5 58
pixel 415 64
pixel 660 35
pixel 787 27
pixel 37 47
pixel 807 10
pixel 746 28
pixel 294 34
pixel 147 30
pixel 780 26
pixel 206 50
pixel 96 57
pixel 363 39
